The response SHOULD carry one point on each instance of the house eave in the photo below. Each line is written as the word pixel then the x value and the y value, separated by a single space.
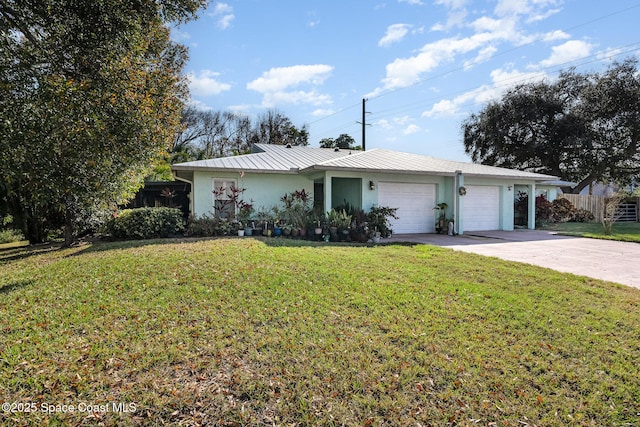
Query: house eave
pixel 316 168
pixel 292 171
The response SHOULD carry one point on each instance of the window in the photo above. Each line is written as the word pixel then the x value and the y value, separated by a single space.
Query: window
pixel 223 203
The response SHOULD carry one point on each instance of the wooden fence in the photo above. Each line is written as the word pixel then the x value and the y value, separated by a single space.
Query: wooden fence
pixel 595 205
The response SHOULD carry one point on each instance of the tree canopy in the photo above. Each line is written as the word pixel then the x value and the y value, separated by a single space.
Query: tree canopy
pixel 208 134
pixel 90 93
pixel 343 141
pixel 582 127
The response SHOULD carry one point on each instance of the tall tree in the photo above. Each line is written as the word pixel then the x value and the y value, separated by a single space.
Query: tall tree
pixel 90 93
pixel 343 141
pixel 273 127
pixel 582 127
pixel 207 134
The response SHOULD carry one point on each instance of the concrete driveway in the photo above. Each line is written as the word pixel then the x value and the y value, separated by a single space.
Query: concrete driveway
pixel 601 259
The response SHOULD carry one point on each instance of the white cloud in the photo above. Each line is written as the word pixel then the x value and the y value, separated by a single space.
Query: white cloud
pixel 566 52
pixel 383 123
pixel 179 36
pixel 314 21
pixel 512 7
pixel 395 33
pixel 501 81
pixel 283 77
pixel 322 112
pixel 240 108
pixel 411 129
pixel 206 83
pixel 272 99
pixel 456 15
pixel 405 72
pixel 223 12
pixel 276 85
pixel 401 120
pixel 200 105
pixel 416 2
pixel 484 55
pixel 555 35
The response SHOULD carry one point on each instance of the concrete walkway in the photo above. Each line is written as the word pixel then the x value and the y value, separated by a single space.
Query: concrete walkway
pixel 601 259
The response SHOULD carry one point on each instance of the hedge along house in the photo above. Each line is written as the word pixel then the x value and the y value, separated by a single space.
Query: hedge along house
pixel 478 197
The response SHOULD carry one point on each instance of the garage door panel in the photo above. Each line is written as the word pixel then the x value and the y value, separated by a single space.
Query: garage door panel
pixel 415 204
pixel 481 211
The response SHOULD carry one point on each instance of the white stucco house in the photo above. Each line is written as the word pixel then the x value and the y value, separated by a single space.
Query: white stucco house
pixel 479 197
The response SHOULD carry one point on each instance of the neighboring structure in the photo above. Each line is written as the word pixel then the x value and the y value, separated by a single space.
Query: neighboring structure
pixel 172 194
pixel 479 197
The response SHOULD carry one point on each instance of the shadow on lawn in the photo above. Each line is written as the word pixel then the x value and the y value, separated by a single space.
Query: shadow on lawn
pixel 23 252
pixel 108 245
pixel 15 286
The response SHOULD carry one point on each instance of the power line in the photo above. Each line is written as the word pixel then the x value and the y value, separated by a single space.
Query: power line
pixel 417 104
pixel 504 52
pixel 506 83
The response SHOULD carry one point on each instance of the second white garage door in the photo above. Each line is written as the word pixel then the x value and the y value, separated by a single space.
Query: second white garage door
pixel 415 203
pixel 481 209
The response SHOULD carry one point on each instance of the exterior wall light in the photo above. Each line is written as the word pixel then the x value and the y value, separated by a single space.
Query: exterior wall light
pixel 372 185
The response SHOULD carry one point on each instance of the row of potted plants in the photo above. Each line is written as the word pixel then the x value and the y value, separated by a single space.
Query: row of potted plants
pixel 296 217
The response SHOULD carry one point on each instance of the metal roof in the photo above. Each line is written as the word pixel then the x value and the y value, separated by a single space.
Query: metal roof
pixel 379 160
pixel 269 158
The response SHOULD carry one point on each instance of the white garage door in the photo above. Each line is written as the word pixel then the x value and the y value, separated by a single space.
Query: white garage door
pixel 415 204
pixel 481 209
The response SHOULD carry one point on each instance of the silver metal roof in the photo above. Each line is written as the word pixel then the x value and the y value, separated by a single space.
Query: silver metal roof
pixel 379 160
pixel 269 158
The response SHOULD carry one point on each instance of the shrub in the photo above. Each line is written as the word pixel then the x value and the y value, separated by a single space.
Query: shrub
pixel 583 215
pixel 563 210
pixel 146 223
pixel 207 226
pixel 378 218
pixel 544 210
pixel 10 235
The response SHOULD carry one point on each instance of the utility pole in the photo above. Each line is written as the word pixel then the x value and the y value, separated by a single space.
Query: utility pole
pixel 364 123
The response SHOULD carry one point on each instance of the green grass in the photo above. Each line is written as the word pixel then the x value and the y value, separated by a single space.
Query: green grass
pixel 261 332
pixel 622 231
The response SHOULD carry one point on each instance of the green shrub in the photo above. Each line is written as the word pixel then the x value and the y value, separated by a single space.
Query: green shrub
pixel 207 226
pixel 10 235
pixel 378 218
pixel 146 223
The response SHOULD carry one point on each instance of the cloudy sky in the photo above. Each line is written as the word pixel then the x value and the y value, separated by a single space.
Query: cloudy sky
pixel 422 65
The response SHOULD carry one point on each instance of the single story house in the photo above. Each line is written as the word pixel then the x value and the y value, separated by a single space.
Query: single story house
pixel 478 197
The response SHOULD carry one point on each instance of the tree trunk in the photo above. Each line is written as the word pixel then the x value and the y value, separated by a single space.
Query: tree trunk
pixel 68 221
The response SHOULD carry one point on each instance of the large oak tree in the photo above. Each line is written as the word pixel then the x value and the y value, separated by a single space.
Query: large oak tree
pixel 90 92
pixel 581 127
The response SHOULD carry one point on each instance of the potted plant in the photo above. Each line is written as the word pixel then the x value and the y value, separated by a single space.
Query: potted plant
pixel 441 220
pixel 344 223
pixel 244 213
pixel 378 219
pixel 332 220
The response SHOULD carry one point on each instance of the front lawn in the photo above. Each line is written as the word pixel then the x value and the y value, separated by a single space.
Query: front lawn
pixel 259 332
pixel 622 231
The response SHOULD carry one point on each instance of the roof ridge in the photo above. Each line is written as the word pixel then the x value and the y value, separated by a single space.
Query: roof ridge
pixel 350 153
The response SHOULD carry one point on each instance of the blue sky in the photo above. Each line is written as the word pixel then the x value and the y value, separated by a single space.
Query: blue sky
pixel 423 65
